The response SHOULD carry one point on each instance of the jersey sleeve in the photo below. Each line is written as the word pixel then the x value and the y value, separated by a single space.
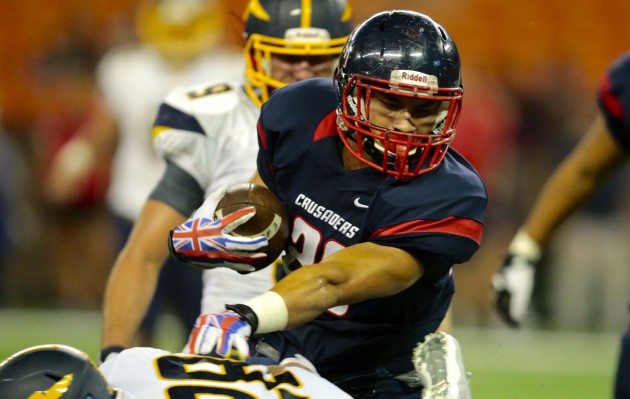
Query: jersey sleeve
pixel 199 129
pixel 443 228
pixel 283 136
pixel 266 144
pixel 614 100
pixel 268 134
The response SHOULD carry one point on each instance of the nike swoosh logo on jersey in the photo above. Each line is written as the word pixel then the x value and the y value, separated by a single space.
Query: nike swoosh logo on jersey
pixel 358 204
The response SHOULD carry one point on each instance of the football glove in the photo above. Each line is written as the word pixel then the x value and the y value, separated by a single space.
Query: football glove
pixel 513 285
pixel 206 242
pixel 225 334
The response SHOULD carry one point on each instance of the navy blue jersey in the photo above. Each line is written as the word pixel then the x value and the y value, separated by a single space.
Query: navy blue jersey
pixel 614 100
pixel 437 217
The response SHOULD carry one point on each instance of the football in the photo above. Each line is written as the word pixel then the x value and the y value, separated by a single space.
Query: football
pixel 270 219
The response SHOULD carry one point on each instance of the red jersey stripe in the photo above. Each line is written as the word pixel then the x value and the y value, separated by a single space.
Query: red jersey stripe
pixel 451 225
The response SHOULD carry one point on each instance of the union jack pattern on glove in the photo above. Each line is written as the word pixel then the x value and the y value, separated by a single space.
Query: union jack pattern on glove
pixel 207 243
pixel 225 334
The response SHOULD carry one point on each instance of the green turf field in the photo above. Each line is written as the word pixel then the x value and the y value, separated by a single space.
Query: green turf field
pixel 505 364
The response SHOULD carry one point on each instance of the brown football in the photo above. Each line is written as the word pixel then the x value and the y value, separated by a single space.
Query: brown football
pixel 270 218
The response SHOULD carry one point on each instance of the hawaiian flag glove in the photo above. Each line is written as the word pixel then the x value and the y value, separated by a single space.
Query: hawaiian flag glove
pixel 225 334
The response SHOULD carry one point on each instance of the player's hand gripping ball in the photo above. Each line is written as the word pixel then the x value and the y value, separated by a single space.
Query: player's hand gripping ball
pixel 243 228
pixel 270 219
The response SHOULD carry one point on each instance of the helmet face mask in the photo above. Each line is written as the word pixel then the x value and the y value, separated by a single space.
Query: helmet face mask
pixel 260 49
pixel 411 61
pixel 291 30
pixel 390 151
pixel 56 370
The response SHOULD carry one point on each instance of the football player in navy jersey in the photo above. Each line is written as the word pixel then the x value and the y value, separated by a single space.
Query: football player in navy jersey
pixel 380 209
pixel 600 153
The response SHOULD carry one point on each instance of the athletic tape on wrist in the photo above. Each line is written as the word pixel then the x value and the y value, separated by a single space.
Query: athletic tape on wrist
pixel 523 245
pixel 269 310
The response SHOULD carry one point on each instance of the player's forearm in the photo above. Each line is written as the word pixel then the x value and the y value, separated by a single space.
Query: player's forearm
pixel 562 195
pixel 355 274
pixel 134 277
pixel 578 176
pixel 127 297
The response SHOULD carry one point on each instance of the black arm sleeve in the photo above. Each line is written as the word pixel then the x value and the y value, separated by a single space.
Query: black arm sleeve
pixel 179 190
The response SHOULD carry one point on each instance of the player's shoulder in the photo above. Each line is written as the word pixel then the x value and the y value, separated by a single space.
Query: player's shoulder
pixel 305 100
pixel 614 99
pixel 463 178
pixel 617 79
pixel 453 181
pixel 214 97
pixel 458 167
pixel 306 90
pixel 621 64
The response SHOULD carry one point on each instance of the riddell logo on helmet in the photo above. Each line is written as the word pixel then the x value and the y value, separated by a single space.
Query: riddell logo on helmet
pixel 414 78
pixel 306 35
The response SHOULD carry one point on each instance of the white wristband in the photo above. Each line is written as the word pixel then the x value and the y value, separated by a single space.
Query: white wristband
pixel 523 245
pixel 271 310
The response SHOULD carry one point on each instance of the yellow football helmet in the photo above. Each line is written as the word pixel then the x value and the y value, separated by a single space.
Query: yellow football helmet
pixel 181 29
pixel 290 28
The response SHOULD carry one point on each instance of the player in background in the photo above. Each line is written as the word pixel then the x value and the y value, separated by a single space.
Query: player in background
pixel 600 153
pixel 61 371
pixel 206 134
pixel 380 210
pixel 179 44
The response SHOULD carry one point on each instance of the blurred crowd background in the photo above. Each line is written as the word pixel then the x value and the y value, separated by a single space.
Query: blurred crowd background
pixel 531 71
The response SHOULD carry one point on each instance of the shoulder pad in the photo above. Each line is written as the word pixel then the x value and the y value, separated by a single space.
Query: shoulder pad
pixel 207 98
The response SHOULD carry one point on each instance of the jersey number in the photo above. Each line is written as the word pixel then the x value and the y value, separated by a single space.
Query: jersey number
pixel 194 376
pixel 307 241
pixel 216 89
